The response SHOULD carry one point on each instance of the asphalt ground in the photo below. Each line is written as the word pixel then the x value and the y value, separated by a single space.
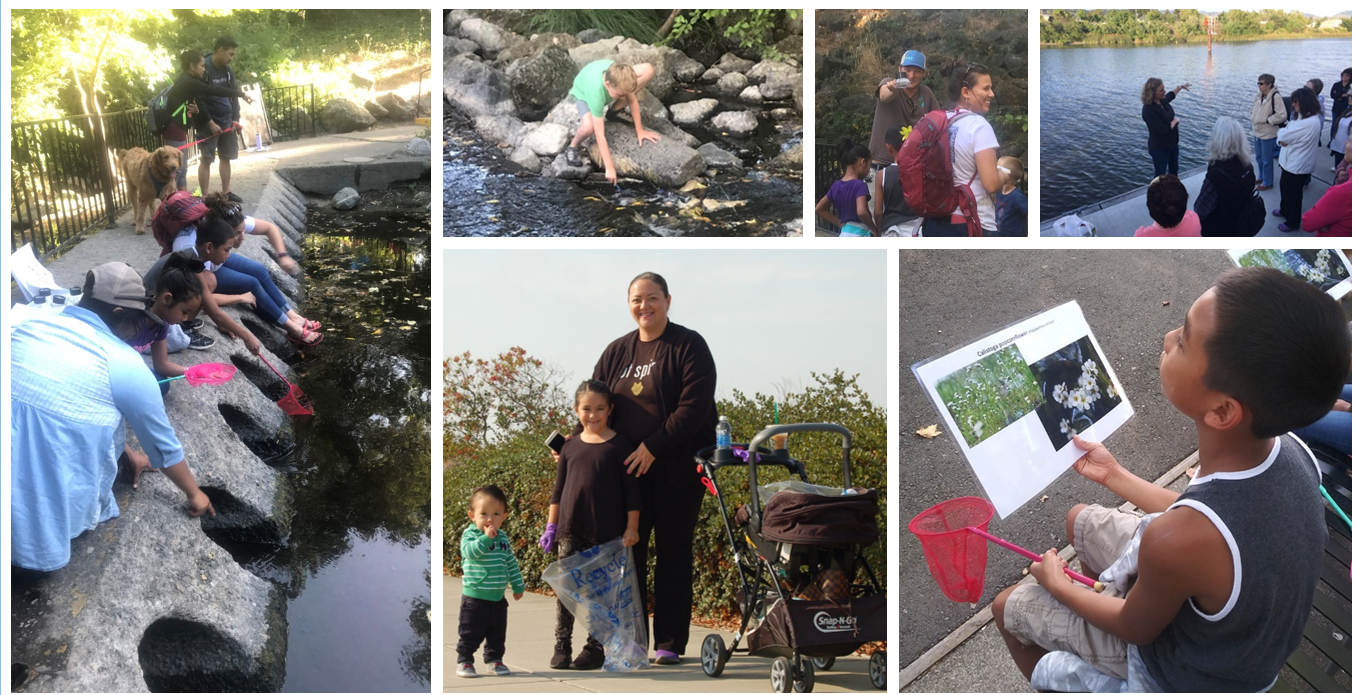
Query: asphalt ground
pixel 948 298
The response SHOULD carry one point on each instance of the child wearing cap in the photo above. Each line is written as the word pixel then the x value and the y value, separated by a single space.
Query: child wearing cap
pixel 598 85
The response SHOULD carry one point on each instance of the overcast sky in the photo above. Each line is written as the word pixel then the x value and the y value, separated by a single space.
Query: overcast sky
pixel 768 316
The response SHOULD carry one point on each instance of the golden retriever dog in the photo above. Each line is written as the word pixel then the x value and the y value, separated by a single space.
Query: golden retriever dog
pixel 150 178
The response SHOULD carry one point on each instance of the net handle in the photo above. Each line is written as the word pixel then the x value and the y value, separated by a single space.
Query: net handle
pixel 275 371
pixel 1091 583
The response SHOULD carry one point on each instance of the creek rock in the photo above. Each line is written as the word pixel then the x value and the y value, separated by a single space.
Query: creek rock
pixel 797 91
pixel 456 45
pixel 546 139
pixel 491 38
pixel 397 106
pixel 712 74
pixel 761 72
pixel 376 110
pixel 534 46
pixel 591 35
pixel 453 20
pixel 693 112
pixel 565 113
pixel 346 199
pixel 559 168
pixel 501 130
pixel 667 163
pixel 651 108
pixel 527 159
pixel 417 147
pixel 539 81
pixel 782 113
pixel 779 86
pixel 670 131
pixel 733 63
pixel 686 69
pixel 731 84
pixel 787 164
pixel 736 122
pixel 751 95
pixel 477 89
pixel 345 116
pixel 719 159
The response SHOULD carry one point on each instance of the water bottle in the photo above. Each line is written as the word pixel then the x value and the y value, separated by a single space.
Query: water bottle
pixel 58 304
pixel 723 434
pixel 38 306
pixel 74 296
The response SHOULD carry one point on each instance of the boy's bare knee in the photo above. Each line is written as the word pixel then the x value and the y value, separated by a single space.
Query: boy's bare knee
pixel 1070 516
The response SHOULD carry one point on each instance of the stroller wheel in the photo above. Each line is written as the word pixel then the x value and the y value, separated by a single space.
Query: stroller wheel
pixel 823 663
pixel 876 669
pixel 714 655
pixel 804 681
pixel 780 675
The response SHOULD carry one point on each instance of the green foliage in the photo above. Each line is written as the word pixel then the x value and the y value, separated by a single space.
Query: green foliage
pixel 990 394
pixel 754 30
pixel 1110 27
pixel 637 24
pixel 514 458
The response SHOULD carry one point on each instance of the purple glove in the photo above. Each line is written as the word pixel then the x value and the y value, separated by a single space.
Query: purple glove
pixel 548 538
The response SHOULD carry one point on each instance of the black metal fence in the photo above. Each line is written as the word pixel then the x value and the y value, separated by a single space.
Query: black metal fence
pixel 827 171
pixel 291 111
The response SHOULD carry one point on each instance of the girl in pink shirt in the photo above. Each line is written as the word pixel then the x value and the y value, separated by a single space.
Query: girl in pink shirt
pixel 1167 201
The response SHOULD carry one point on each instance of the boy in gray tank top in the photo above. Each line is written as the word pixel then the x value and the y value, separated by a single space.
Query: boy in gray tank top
pixel 1211 591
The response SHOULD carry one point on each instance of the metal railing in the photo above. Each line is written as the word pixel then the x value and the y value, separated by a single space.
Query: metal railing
pixel 291 111
pixel 826 172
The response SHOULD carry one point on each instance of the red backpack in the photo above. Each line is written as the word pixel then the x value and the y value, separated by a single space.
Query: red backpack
pixel 179 210
pixel 925 163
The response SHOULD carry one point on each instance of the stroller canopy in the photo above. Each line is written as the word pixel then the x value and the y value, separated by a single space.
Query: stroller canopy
pixel 808 519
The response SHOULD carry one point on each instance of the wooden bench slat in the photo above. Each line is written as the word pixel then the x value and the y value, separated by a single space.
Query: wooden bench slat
pixel 1333 578
pixel 1311 673
pixel 1322 638
pixel 1331 609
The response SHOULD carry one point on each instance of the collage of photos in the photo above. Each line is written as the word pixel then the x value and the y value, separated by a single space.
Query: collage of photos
pixel 680 439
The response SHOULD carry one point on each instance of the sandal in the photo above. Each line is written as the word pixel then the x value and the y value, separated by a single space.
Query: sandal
pixel 310 325
pixel 309 338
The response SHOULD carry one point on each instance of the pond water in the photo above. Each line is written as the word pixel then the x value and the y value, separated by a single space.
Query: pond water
pixel 1093 141
pixel 355 569
pixel 486 195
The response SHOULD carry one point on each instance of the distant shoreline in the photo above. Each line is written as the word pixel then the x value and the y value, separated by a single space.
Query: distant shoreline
pixel 1197 40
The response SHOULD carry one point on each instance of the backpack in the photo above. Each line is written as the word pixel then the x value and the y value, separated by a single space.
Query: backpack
pixel 179 210
pixel 925 162
pixel 158 111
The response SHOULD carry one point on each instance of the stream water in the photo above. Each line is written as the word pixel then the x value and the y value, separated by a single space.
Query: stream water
pixel 355 570
pixel 486 195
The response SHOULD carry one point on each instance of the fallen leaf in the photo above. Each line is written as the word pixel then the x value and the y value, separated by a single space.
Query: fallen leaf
pixel 79 603
pixel 1045 497
pixel 1166 303
pixel 492 201
pixel 1024 571
pixel 928 432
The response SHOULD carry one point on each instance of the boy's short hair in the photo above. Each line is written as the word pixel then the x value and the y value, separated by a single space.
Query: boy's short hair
pixel 1281 347
pixel 224 41
pixel 894 138
pixel 621 77
pixel 1167 200
pixel 491 491
pixel 1015 168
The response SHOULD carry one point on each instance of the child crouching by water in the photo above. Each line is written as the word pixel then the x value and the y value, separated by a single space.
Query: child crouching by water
pixel 849 194
pixel 178 297
pixel 488 567
pixel 1010 203
pixel 593 502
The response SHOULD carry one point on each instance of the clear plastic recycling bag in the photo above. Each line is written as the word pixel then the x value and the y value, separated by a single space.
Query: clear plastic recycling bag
pixel 600 588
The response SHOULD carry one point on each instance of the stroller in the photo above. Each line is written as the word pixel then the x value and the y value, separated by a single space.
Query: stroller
pixel 807 594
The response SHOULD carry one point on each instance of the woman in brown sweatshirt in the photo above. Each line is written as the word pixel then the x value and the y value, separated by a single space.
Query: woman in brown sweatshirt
pixel 663 382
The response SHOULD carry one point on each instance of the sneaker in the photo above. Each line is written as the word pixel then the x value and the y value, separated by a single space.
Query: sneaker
pixel 590 658
pixel 499 669
pixel 466 671
pixel 198 341
pixel 192 324
pixel 573 158
pixel 234 198
pixel 666 658
pixel 561 660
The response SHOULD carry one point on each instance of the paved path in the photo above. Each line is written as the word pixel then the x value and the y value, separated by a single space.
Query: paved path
pixel 532 623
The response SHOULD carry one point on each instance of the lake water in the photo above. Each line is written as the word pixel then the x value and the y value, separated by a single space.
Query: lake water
pixel 1093 141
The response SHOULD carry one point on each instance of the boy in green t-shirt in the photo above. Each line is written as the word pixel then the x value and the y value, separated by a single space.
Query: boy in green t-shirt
pixel 488 567
pixel 596 86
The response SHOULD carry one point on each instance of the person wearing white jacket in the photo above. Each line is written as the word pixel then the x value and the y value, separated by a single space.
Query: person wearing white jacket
pixel 1298 141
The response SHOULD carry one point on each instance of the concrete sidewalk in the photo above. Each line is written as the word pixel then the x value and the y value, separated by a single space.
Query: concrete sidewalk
pixel 531 640
pixel 249 175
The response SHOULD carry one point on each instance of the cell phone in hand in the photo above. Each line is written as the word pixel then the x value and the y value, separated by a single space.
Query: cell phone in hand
pixel 555 442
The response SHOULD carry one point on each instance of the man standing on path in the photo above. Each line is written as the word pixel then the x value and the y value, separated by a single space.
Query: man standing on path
pixel 222 113
pixel 900 101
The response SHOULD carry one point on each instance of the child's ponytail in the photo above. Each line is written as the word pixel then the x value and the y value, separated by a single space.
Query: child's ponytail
pixel 850 152
pixel 179 277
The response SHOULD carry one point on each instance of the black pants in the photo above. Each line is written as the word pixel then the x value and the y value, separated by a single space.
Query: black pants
pixel 482 620
pixel 1293 189
pixel 670 511
pixel 566 546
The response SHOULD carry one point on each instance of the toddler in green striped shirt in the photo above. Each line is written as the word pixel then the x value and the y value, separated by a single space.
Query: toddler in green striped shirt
pixel 488 567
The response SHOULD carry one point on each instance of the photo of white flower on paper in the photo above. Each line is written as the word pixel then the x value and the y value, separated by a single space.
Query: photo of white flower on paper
pixel 990 394
pixel 1076 389
pixel 1319 267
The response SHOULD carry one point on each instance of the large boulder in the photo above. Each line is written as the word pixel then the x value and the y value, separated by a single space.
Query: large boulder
pixel 376 110
pixel 731 84
pixel 476 88
pixel 456 45
pixel 651 108
pixel 453 20
pixel 540 81
pixel 787 164
pixel 719 159
pixel 397 107
pixel 692 112
pixel 736 122
pixel 527 159
pixel 779 86
pixel 565 113
pixel 761 72
pixel 633 52
pixel 667 163
pixel 751 95
pixel 345 116
pixel 546 139
pixel 591 35
pixel 685 69
pixel 346 199
pixel 502 130
pixel 491 38
pixel 417 147
pixel 712 74
pixel 733 63
pixel 534 46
